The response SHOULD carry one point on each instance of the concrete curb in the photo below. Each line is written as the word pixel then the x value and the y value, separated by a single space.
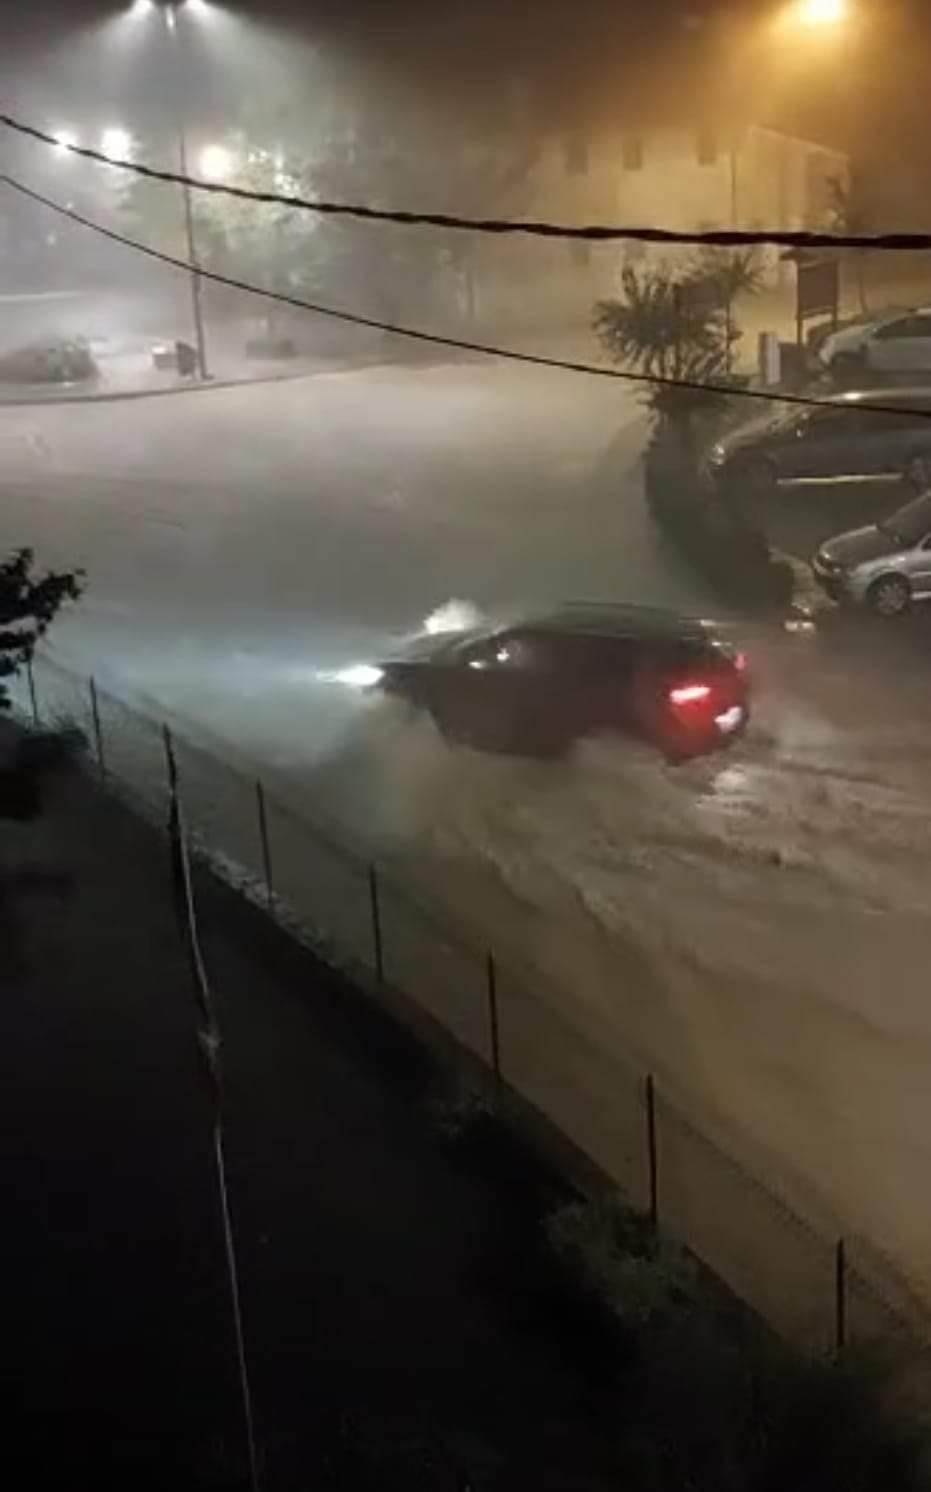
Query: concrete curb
pixel 194 387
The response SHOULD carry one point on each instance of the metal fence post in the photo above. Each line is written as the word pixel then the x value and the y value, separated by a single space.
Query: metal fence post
pixel 493 1017
pixel 376 925
pixel 651 1151
pixel 31 681
pixel 174 826
pixel 840 1296
pixel 266 845
pixel 98 733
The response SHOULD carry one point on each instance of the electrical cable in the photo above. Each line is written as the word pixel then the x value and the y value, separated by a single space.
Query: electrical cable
pixel 592 232
pixel 439 339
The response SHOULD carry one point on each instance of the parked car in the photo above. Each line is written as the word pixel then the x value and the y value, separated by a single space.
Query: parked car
pixel 57 360
pixel 585 669
pixel 898 342
pixel 886 565
pixel 837 441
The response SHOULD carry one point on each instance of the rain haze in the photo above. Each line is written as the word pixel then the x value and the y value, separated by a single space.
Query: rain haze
pixel 272 504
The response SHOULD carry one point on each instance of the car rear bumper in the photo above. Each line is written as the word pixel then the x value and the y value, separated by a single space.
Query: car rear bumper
pixel 715 730
pixel 731 721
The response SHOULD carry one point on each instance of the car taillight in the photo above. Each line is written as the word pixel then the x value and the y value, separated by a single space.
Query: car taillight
pixel 740 662
pixel 689 694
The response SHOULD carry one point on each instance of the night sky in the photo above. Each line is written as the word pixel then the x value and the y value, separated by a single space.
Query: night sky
pixel 583 64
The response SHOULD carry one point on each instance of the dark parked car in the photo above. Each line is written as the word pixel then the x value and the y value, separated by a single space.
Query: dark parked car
pixel 837 441
pixel 539 685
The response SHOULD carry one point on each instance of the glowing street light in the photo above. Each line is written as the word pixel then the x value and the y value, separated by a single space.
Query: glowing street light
pixel 170 8
pixel 216 163
pixel 813 13
pixel 116 143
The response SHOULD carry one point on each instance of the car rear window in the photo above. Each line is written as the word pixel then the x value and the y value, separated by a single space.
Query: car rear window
pixel 690 654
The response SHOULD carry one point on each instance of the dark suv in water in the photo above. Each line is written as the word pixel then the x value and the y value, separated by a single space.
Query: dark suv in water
pixel 540 684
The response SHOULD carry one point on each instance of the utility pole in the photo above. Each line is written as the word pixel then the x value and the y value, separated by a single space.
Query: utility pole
pixel 197 311
pixel 733 167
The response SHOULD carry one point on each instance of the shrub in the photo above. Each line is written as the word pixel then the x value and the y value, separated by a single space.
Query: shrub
pixel 29 604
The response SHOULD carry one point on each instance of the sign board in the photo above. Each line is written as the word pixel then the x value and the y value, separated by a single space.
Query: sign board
pixel 817 286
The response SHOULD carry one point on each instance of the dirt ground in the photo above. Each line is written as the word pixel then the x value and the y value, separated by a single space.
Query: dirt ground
pixel 384 1303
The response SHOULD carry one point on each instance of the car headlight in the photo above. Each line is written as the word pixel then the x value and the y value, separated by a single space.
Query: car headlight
pixel 360 676
pixel 717 456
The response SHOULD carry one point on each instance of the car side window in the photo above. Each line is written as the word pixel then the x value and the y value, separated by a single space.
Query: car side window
pixel 834 424
pixel 507 650
pixel 580 654
pixel 589 654
pixel 481 656
pixel 892 331
pixel 906 326
pixel 903 419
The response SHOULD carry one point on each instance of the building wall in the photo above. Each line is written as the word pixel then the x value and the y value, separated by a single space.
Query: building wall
pixel 669 178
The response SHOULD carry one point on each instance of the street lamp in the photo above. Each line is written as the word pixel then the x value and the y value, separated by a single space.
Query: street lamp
pixel 170 10
pixel 216 163
pixel 116 143
pixel 815 13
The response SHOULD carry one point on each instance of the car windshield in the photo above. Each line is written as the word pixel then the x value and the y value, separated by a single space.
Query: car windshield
pixel 908 525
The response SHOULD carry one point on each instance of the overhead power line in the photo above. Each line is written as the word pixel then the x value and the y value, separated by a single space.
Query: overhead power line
pixel 438 339
pixel 725 238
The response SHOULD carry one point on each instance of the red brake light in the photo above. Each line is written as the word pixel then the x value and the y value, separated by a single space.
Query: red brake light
pixel 740 662
pixel 689 694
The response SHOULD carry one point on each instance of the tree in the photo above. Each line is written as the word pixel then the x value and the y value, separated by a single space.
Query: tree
pixel 678 324
pixel 265 243
pixel 29 604
pixel 375 157
pixel 260 241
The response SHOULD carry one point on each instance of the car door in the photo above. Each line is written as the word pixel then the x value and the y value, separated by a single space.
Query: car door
pixel 903 345
pixel 471 686
pixel 891 441
pixel 493 687
pixel 591 682
pixel 830 442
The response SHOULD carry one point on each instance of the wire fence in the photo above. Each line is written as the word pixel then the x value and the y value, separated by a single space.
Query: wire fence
pixel 823 1293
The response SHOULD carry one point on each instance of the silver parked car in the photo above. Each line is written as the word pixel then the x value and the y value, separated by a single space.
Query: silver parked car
pixel 886 565
pixel 837 441
pixel 896 343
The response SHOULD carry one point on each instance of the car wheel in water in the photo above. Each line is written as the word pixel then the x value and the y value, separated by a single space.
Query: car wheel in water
pixel 890 595
pixel 917 474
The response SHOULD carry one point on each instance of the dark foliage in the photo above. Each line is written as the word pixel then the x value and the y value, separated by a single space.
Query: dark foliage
pixel 678 324
pixel 29 604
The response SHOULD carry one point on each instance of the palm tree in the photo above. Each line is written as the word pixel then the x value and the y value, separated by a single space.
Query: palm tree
pixel 678 326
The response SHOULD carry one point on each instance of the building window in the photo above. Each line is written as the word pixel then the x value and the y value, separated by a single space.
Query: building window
pixel 706 144
pixel 576 156
pixel 632 152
